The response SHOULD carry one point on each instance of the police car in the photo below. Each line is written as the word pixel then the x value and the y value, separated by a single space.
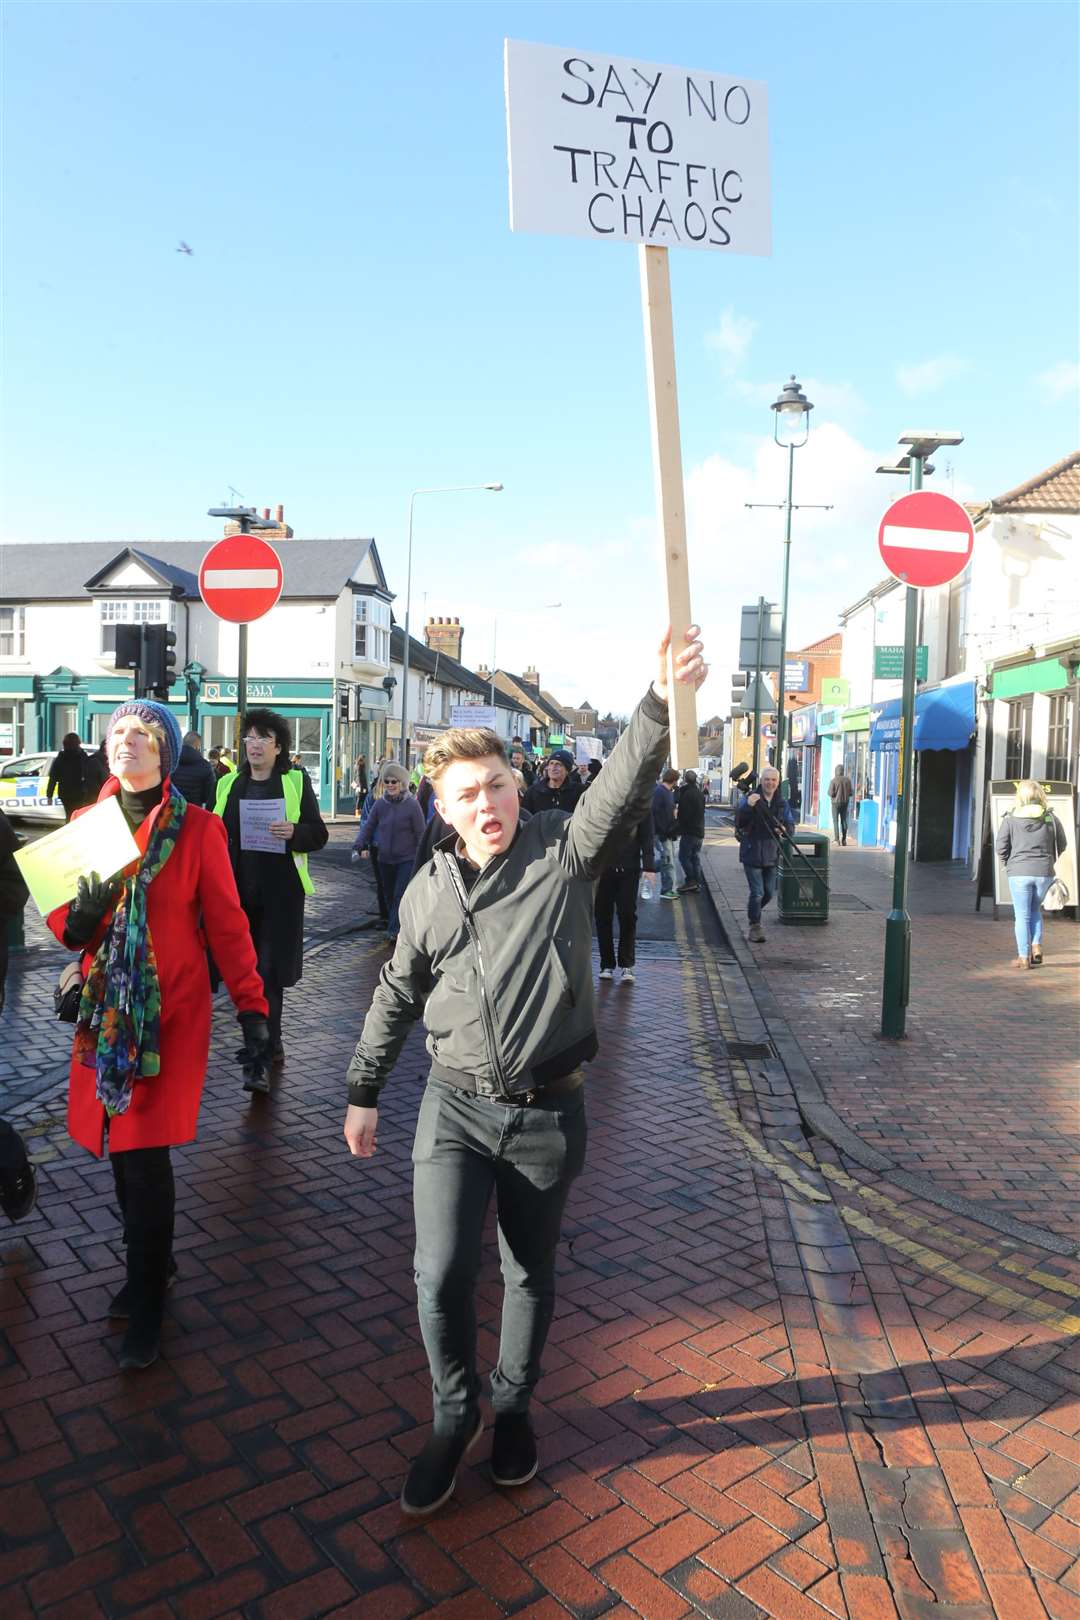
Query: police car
pixel 23 782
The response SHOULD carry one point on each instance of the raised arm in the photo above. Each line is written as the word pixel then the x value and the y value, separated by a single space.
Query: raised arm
pixel 622 793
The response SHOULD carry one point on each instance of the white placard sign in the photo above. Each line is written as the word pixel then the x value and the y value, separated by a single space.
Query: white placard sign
pixel 624 151
pixel 473 716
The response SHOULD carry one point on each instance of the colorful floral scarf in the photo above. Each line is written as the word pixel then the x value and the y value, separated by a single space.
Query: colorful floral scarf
pixel 119 1025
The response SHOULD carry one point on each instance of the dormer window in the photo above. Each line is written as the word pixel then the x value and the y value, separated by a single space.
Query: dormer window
pixel 128 610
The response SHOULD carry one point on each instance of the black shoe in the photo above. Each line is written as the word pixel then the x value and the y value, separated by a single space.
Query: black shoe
pixel 120 1304
pixel 689 888
pixel 433 1475
pixel 277 1057
pixel 140 1346
pixel 513 1450
pixel 258 1081
pixel 18 1188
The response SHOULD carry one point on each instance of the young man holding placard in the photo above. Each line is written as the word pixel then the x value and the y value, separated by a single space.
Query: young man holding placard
pixel 495 954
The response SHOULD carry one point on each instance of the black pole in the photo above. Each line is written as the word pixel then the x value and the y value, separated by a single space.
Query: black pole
pixel 757 682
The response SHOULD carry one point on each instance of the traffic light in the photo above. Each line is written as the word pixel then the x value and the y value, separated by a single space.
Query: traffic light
pixel 739 681
pixel 129 647
pixel 157 662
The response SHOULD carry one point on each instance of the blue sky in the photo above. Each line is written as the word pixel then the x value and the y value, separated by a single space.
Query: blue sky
pixel 357 320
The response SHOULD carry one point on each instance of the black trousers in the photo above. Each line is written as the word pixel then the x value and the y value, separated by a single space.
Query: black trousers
pixel 380 889
pixel 616 893
pixel 146 1194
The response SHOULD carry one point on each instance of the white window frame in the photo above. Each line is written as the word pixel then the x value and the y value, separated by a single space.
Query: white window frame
pixel 17 631
pixel 114 610
pixel 371 630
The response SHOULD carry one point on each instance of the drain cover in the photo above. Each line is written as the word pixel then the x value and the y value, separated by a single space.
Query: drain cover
pixel 751 1050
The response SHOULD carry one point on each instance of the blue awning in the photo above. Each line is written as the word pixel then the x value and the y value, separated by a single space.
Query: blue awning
pixel 944 718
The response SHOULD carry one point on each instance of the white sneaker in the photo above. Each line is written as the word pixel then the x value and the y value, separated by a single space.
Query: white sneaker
pixel 607 973
pixel 756 936
pixel 626 976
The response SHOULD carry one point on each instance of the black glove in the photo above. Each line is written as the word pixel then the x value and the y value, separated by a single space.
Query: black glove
pixel 254 1055
pixel 94 899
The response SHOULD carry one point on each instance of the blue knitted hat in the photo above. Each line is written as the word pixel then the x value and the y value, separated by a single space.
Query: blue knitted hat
pixel 162 717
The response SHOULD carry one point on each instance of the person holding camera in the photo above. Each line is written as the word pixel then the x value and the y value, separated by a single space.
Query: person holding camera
pixel 762 819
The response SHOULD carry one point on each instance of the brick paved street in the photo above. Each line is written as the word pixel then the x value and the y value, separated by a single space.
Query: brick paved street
pixel 779 1382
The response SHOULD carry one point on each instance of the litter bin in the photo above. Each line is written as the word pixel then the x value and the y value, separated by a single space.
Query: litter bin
pixel 802 894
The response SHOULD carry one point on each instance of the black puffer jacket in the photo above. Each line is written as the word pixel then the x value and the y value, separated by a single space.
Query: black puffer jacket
pixel 1030 844
pixel 194 777
pixel 691 813
pixel 541 797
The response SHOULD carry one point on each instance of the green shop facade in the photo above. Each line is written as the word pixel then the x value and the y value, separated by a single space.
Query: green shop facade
pixel 332 722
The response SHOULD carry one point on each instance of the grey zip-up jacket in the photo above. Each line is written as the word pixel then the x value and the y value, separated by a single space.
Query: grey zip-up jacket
pixel 502 973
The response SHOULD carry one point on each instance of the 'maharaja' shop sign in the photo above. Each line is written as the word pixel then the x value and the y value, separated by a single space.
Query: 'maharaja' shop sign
pixel 626 151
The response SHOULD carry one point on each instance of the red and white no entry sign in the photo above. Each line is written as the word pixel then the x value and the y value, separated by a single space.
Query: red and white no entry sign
pixel 926 539
pixel 240 578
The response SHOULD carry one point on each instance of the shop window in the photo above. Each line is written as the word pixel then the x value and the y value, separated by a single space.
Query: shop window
pixel 1018 739
pixel 307 742
pixel 1060 759
pixel 124 610
pixel 371 630
pixel 12 632
pixel 12 729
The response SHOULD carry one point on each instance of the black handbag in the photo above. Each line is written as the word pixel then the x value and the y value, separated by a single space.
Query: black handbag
pixel 68 993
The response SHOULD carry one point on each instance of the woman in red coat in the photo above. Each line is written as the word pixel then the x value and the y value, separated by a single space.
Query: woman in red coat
pixel 143 1032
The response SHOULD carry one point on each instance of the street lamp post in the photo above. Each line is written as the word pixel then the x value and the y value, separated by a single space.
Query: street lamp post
pixel 437 489
pixel 791 427
pixel 896 979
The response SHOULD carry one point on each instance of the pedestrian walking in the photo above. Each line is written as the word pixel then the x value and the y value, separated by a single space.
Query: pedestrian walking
pixel 665 827
pixel 397 822
pixel 359 782
pixel 143 1032
pixel 509 1026
pixel 690 826
pixel 67 775
pixel 760 821
pixel 194 776
pixel 273 887
pixel 841 794
pixel 374 794
pixel 1029 841
pixel 617 894
pixel 558 788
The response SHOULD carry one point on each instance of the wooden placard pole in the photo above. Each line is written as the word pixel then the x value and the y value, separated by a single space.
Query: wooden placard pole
pixel 670 492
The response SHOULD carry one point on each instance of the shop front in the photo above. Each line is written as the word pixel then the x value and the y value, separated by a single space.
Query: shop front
pixel 807 760
pixel 855 726
pixel 942 740
pixel 18 732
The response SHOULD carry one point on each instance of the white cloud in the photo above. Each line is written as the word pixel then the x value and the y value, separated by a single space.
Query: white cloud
pixel 600 642
pixel 1059 381
pixel 732 338
pixel 927 376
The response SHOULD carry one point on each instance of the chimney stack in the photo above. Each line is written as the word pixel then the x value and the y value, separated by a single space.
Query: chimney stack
pixel 279 518
pixel 445 636
pixel 266 514
pixel 279 515
pixel 531 677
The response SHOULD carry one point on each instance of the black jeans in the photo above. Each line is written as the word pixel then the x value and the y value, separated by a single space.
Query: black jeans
pixel 840 821
pixel 690 857
pixel 466 1148
pixel 616 892
pixel 146 1194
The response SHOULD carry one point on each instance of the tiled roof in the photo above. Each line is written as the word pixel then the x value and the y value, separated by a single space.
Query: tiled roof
pixel 447 670
pixel 1055 490
pixel 38 572
pixel 828 644
pixel 536 698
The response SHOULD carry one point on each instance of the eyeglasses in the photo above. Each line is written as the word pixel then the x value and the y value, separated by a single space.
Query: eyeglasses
pixel 256 736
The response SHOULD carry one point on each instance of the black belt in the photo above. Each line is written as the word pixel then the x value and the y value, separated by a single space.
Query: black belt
pixel 534 1097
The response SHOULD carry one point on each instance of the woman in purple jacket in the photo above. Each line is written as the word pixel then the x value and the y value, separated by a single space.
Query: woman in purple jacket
pixel 398 822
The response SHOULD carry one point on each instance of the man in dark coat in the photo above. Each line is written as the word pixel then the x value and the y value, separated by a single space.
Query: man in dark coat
pixel 558 788
pixel 617 893
pixel 67 775
pixel 97 772
pixel 665 828
pixel 762 820
pixel 194 776
pixel 690 825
